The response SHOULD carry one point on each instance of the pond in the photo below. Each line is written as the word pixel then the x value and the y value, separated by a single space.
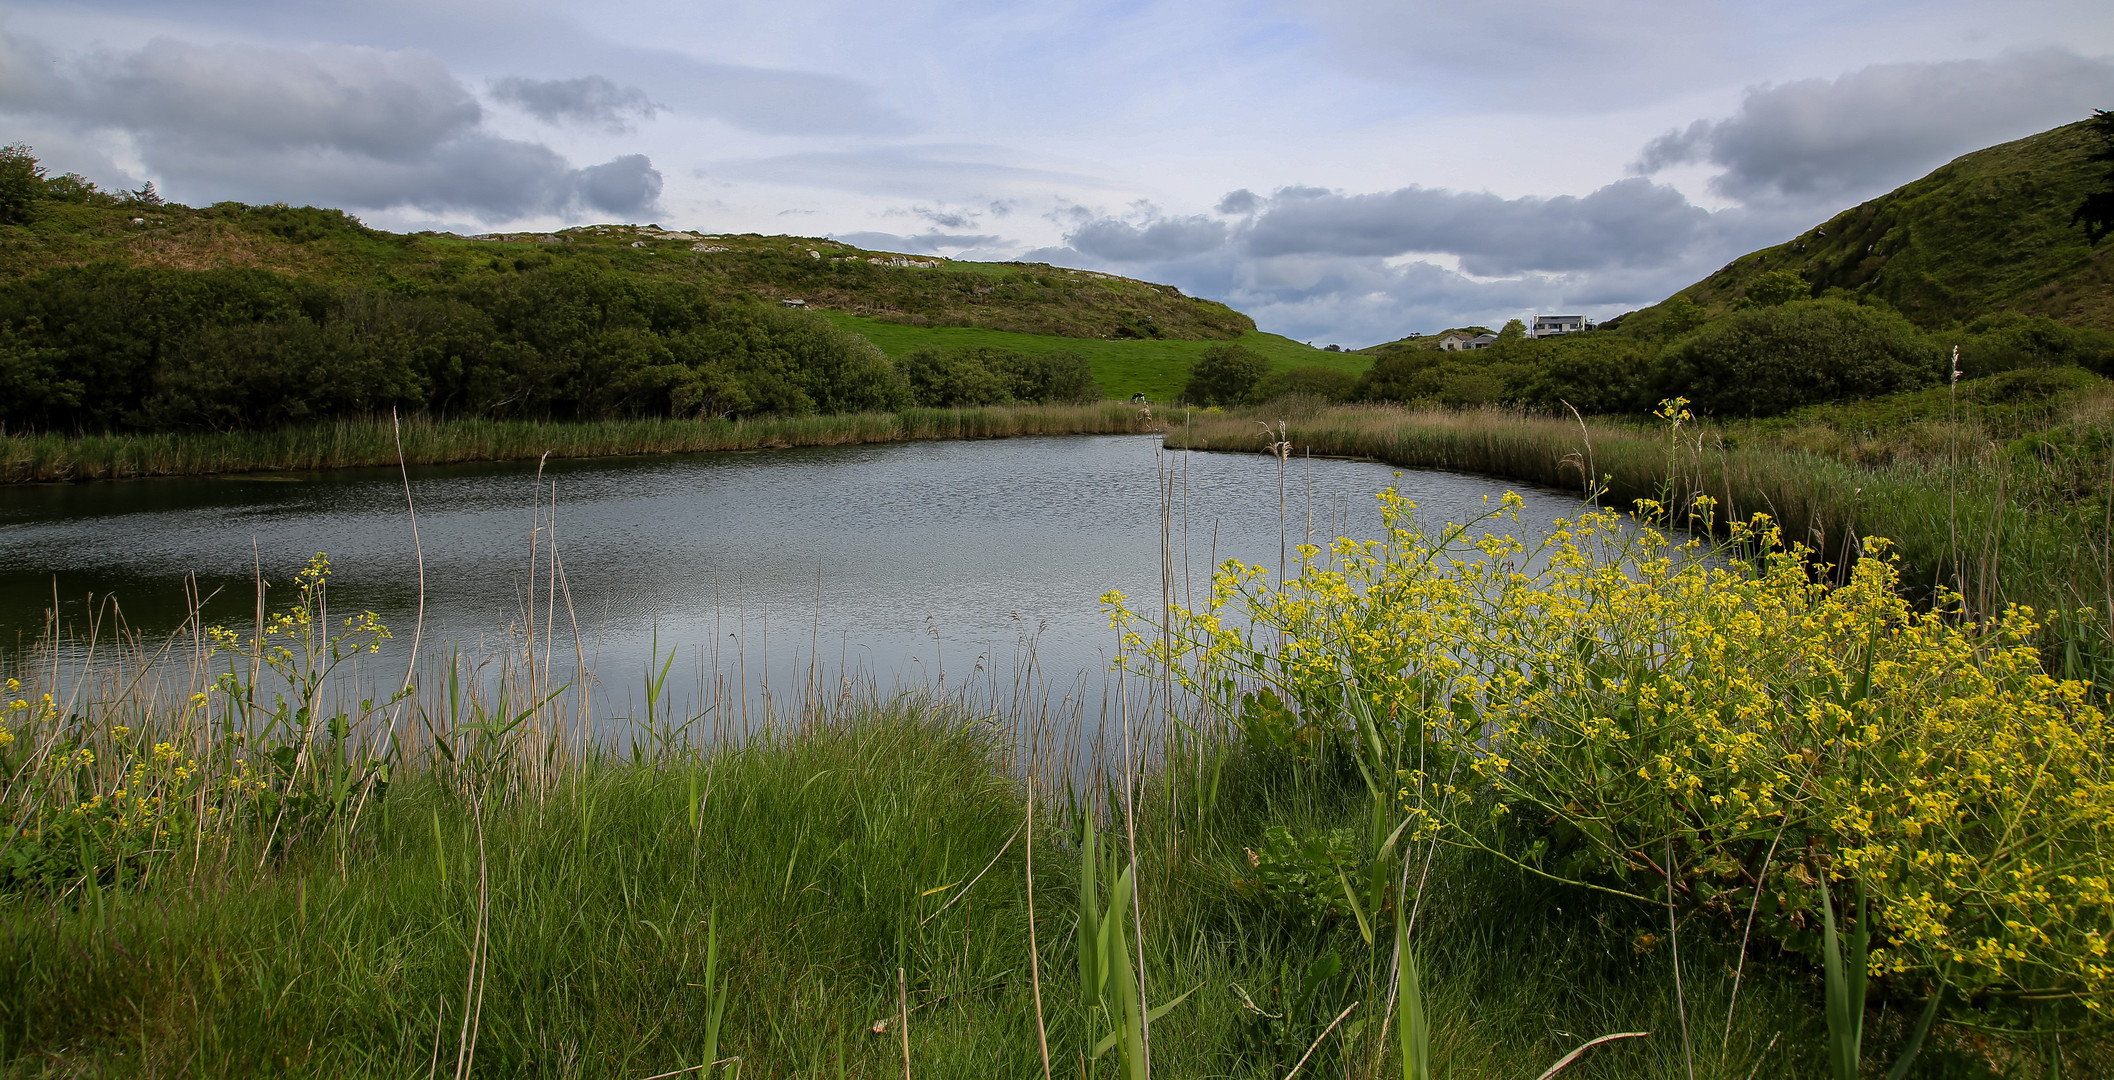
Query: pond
pixel 907 562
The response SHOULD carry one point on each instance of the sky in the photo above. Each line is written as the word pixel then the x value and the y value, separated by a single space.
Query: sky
pixel 1345 171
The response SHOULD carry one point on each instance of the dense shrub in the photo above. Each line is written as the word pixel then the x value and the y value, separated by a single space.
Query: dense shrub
pixel 2007 342
pixel 1319 382
pixel 1765 360
pixel 980 375
pixel 103 347
pixel 1592 373
pixel 1778 287
pixel 1453 379
pixel 1224 375
pixel 21 183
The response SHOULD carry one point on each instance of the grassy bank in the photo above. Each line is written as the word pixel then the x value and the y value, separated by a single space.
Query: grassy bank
pixel 1999 506
pixel 212 869
pixel 816 863
pixel 372 442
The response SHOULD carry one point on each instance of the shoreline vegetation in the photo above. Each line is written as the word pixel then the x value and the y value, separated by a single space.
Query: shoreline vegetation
pixel 371 443
pixel 2000 510
pixel 1635 811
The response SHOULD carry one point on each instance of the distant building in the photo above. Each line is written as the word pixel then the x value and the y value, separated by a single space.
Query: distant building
pixel 1460 341
pixel 1552 325
pixel 793 303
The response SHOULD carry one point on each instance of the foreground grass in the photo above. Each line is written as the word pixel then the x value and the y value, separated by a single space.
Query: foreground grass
pixel 829 857
pixel 372 442
pixel 1155 367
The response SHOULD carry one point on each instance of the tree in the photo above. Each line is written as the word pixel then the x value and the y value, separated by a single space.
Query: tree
pixel 1767 360
pixel 1681 315
pixel 1513 331
pixel 2096 213
pixel 1310 381
pixel 1778 287
pixel 1224 375
pixel 21 183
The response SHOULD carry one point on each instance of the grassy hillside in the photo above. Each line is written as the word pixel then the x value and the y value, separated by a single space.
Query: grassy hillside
pixel 1155 368
pixel 1988 233
pixel 331 246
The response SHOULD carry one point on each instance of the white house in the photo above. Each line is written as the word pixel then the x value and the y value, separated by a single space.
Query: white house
pixel 1459 341
pixel 1552 325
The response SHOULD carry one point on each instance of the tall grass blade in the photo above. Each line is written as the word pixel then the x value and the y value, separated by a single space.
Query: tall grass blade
pixel 1412 1027
pixel 1091 974
pixel 1845 989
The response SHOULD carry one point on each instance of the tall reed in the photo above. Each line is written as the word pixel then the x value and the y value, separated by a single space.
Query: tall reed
pixel 1961 528
pixel 372 443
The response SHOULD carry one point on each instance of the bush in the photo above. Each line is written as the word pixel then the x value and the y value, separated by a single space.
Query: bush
pixel 1688 730
pixel 1766 360
pixel 21 183
pixel 1319 382
pixel 980 375
pixel 1778 287
pixel 1411 375
pixel 1224 375
pixel 1589 372
pixel 2007 342
pixel 110 347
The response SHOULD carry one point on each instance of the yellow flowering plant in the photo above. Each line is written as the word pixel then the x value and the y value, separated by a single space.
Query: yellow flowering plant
pixel 83 813
pixel 300 762
pixel 1652 717
pixel 90 800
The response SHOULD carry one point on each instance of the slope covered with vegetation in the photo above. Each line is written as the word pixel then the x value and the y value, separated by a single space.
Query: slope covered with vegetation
pixel 1989 233
pixel 122 312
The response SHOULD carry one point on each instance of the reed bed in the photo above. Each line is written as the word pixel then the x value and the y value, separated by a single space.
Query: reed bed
pixel 372 442
pixel 1956 522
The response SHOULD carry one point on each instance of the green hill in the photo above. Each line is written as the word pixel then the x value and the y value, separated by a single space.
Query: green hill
pixel 119 311
pixel 330 245
pixel 1988 233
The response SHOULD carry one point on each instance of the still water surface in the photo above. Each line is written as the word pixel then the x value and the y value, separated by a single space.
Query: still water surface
pixel 899 560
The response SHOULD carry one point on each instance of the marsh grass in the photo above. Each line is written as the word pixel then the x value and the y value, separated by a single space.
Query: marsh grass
pixel 818 856
pixel 371 443
pixel 1966 510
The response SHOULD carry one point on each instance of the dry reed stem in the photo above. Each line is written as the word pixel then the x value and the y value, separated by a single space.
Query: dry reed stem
pixel 1316 1044
pixel 903 1016
pixel 1564 1062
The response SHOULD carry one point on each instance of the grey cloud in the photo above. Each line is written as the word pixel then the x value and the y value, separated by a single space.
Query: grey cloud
pixel 1318 264
pixel 1157 241
pixel 590 101
pixel 1628 222
pixel 391 106
pixel 495 37
pixel 337 125
pixel 944 218
pixel 1881 126
pixel 1238 202
pixel 625 185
